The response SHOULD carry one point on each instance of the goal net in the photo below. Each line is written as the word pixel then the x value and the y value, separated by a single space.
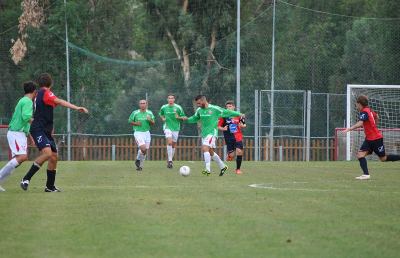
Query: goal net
pixel 385 101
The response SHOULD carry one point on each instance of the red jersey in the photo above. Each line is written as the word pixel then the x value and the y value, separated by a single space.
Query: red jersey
pixel 371 131
pixel 234 133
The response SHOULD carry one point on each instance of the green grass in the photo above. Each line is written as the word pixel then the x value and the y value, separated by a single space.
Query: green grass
pixel 106 209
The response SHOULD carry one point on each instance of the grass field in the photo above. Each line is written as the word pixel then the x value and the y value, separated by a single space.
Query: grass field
pixel 107 209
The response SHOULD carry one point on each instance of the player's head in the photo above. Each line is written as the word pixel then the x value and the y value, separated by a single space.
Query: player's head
pixel 171 99
pixel 45 80
pixel 362 102
pixel 230 104
pixel 201 101
pixel 29 87
pixel 143 104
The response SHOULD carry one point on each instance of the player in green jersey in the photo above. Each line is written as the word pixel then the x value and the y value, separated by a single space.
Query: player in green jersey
pixel 208 115
pixel 141 120
pixel 18 130
pixel 172 125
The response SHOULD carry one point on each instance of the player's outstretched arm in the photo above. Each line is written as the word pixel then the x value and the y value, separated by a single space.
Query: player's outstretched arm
pixel 230 113
pixel 70 105
pixel 355 126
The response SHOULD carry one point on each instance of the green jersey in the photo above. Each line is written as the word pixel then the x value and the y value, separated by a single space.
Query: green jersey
pixel 209 118
pixel 22 116
pixel 138 116
pixel 169 112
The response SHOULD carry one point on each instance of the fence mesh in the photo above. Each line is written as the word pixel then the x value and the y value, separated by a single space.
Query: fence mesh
pixel 147 49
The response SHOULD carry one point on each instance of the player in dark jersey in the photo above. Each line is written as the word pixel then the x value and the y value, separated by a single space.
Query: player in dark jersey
pixel 42 132
pixel 373 137
pixel 232 129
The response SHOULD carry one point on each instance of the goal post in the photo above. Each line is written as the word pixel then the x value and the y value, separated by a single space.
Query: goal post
pixel 385 101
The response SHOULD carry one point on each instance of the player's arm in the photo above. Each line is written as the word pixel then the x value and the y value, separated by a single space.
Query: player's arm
pixel 220 125
pixel 162 115
pixel 229 113
pixel 180 114
pixel 66 104
pixel 362 117
pixel 27 113
pixel 151 119
pixel 132 118
pixel 242 123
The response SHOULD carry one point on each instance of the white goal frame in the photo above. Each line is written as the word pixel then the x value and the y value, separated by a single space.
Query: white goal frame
pixel 349 108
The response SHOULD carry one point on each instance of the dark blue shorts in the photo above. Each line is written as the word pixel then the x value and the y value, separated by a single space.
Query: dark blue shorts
pixel 231 146
pixel 44 140
pixel 374 146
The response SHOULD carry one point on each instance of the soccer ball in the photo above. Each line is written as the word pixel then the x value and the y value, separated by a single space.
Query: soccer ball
pixel 184 171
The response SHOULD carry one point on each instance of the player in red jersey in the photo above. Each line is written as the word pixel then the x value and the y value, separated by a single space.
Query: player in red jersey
pixel 373 137
pixel 231 127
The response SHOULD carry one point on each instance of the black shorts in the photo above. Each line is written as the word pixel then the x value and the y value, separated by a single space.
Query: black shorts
pixel 44 140
pixel 231 146
pixel 374 146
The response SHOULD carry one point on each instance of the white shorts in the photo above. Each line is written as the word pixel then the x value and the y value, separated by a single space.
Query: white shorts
pixel 209 141
pixel 171 134
pixel 18 143
pixel 143 138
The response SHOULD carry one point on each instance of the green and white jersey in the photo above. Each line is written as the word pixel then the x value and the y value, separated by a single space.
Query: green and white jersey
pixel 139 116
pixel 209 118
pixel 169 112
pixel 22 115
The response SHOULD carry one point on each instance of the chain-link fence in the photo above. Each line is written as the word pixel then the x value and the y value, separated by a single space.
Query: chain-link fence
pixel 146 49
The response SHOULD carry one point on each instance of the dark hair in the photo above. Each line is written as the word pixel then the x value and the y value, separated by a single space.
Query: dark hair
pixel 198 97
pixel 230 102
pixel 45 80
pixel 29 87
pixel 173 95
pixel 362 100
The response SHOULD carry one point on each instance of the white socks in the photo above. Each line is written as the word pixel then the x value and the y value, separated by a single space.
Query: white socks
pixel 217 159
pixel 170 152
pixel 8 169
pixel 207 160
pixel 141 157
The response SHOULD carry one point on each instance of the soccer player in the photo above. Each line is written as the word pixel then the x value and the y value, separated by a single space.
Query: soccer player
pixel 42 129
pixel 373 137
pixel 231 128
pixel 141 120
pixel 18 131
pixel 208 115
pixel 169 113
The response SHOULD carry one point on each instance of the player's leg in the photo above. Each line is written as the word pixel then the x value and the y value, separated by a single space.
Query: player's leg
pixel 17 142
pixel 52 168
pixel 168 137
pixel 230 148
pixel 141 143
pixel 379 150
pixel 147 140
pixel 175 136
pixel 215 156
pixel 239 156
pixel 44 146
pixel 364 151
pixel 205 148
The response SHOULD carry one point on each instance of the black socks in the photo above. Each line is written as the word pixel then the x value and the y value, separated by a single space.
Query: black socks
pixel 392 157
pixel 32 171
pixel 363 165
pixel 51 178
pixel 238 161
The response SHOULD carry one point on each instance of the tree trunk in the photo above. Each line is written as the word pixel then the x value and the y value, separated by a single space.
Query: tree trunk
pixel 210 59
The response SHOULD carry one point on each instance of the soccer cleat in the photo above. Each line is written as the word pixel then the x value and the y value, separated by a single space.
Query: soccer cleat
pixel 229 158
pixel 53 189
pixel 206 172
pixel 363 177
pixel 238 172
pixel 139 168
pixel 137 164
pixel 24 184
pixel 223 170
pixel 169 164
pixel 2 189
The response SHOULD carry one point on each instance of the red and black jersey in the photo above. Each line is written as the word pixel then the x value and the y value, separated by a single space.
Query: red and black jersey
pixel 369 123
pixel 234 133
pixel 43 114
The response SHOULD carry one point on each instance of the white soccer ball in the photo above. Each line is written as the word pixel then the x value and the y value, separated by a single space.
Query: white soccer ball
pixel 184 171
